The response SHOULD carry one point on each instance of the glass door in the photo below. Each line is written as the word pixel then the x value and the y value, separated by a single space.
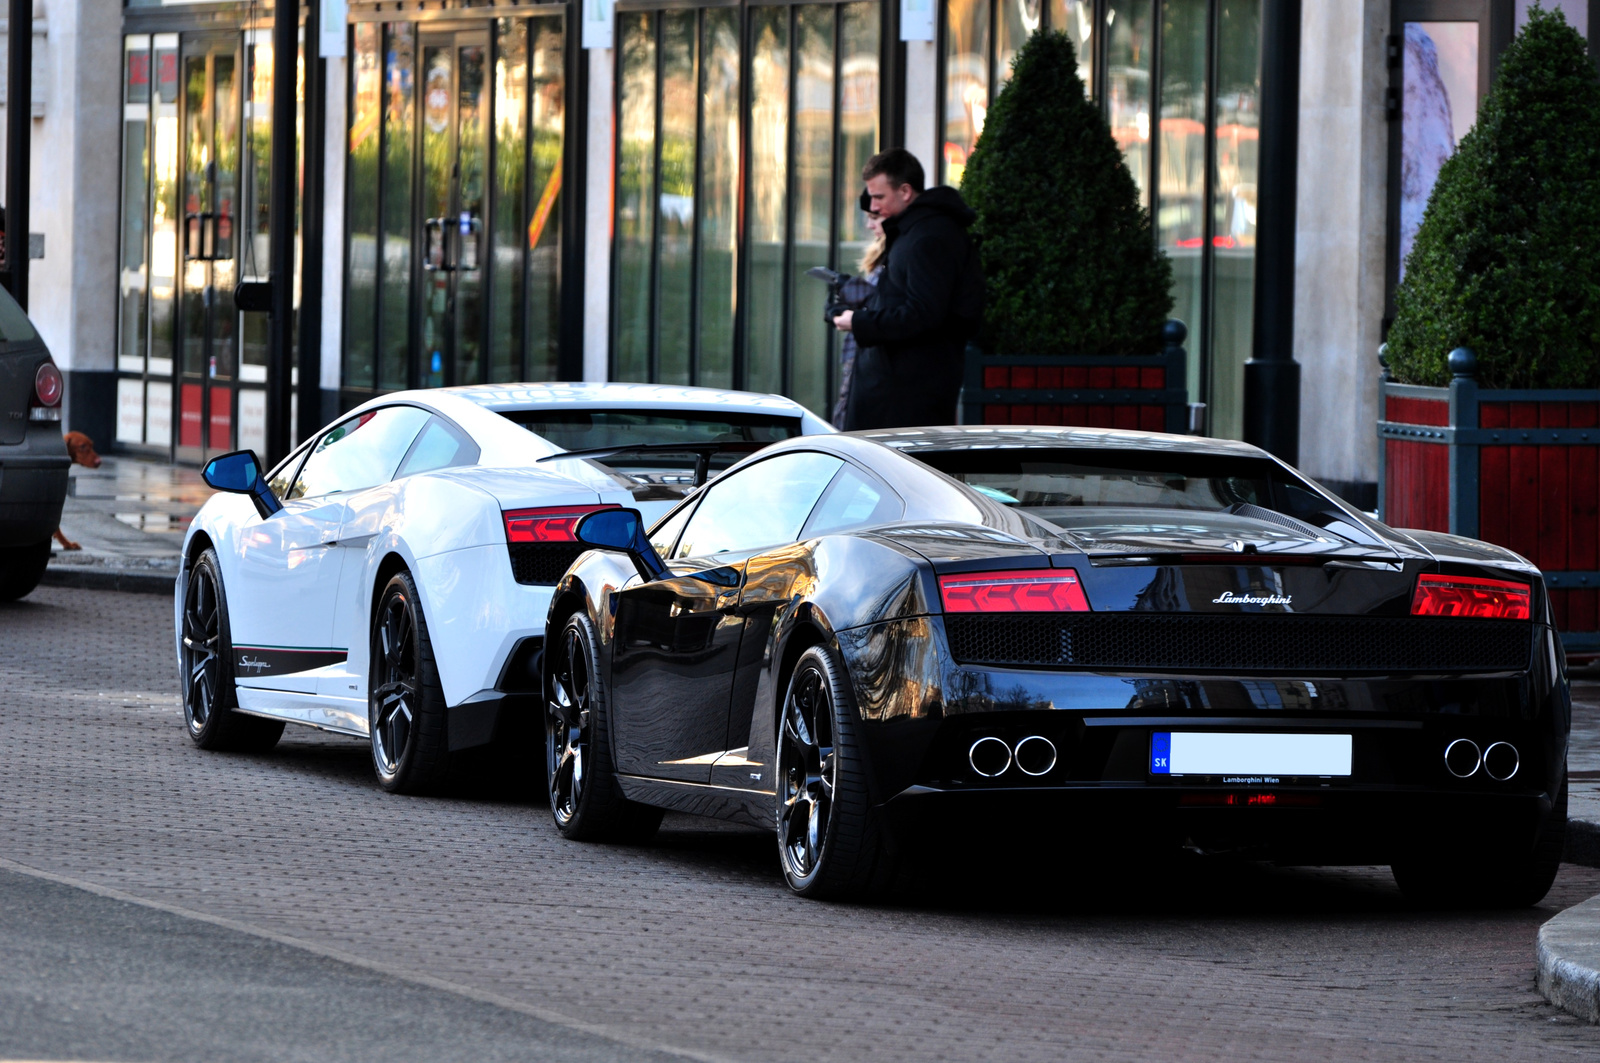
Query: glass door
pixel 451 207
pixel 209 184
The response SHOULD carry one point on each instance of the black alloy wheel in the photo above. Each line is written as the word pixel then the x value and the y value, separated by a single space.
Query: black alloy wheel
pixel 586 797
pixel 829 842
pixel 1506 872
pixel 405 702
pixel 21 569
pixel 210 700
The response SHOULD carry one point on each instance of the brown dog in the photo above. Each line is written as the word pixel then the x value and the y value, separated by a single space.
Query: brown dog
pixel 80 448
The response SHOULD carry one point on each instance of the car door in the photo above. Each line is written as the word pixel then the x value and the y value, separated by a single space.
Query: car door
pixel 439 445
pixel 282 592
pixel 676 642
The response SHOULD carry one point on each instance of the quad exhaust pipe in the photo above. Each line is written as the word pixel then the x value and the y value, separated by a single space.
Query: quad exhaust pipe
pixel 992 757
pixel 1463 758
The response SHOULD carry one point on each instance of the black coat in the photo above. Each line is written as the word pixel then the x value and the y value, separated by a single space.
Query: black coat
pixel 912 334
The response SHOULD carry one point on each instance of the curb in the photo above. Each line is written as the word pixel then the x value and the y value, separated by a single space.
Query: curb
pixel 1569 960
pixel 108 579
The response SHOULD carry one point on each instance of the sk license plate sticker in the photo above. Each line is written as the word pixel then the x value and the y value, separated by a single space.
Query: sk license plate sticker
pixel 1252 757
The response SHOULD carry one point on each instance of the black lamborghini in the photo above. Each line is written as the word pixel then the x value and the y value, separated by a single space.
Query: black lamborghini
pixel 855 640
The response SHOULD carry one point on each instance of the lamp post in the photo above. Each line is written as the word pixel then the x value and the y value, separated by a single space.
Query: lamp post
pixel 1272 376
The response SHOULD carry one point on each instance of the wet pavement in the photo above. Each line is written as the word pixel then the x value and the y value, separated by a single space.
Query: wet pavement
pixel 129 516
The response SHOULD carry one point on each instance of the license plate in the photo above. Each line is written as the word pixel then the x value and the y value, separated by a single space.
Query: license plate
pixel 1258 757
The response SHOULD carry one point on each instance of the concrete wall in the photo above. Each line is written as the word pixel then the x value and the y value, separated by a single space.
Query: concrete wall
pixel 75 164
pixel 1341 233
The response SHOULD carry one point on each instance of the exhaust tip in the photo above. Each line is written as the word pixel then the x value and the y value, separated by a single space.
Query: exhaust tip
pixel 1462 758
pixel 1501 761
pixel 989 756
pixel 1035 755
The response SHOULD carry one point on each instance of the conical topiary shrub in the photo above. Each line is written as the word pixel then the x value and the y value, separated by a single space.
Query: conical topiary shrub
pixel 1505 261
pixel 1067 249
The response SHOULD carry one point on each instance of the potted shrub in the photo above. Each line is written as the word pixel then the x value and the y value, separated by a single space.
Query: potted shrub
pixel 1076 312
pixel 1491 395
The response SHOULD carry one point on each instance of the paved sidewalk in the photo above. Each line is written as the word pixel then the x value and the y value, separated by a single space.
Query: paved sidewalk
pixel 129 515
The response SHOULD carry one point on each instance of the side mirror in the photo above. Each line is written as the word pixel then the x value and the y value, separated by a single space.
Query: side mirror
pixel 621 530
pixel 240 473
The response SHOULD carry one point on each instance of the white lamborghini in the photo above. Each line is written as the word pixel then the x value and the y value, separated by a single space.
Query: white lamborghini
pixel 390 578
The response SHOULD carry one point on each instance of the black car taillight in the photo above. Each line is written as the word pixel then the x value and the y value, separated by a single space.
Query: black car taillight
pixel 47 389
pixel 1046 590
pixel 1471 596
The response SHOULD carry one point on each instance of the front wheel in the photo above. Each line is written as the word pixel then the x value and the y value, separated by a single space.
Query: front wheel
pixel 405 701
pixel 21 569
pixel 585 795
pixel 210 702
pixel 829 842
pixel 1505 876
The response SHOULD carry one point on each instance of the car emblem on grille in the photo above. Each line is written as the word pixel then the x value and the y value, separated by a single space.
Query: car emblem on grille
pixel 1230 598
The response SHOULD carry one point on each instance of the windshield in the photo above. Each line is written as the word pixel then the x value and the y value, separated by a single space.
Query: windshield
pixel 591 429
pixel 1103 493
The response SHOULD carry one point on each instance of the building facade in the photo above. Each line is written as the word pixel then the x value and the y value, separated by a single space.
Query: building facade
pixel 500 202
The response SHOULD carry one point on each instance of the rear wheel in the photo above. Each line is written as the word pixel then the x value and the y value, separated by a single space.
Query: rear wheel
pixel 1512 875
pixel 21 569
pixel 210 702
pixel 405 703
pixel 829 843
pixel 585 795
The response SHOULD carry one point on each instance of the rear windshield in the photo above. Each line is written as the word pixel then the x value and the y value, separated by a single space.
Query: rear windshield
pixel 1077 489
pixel 590 429
pixel 14 324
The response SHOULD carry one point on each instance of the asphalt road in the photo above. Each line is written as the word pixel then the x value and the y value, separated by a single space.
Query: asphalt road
pixel 160 903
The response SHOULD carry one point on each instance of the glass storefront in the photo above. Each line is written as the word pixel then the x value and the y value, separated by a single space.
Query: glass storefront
pixel 691 303
pixel 1179 82
pixel 452 209
pixel 195 141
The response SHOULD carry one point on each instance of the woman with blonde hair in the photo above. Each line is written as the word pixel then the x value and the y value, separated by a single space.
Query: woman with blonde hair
pixel 853 296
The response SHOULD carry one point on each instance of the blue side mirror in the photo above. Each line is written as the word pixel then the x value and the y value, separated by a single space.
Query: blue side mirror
pixel 240 473
pixel 621 530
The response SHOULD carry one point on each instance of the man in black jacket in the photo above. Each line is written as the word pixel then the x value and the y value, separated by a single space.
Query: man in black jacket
pixel 912 335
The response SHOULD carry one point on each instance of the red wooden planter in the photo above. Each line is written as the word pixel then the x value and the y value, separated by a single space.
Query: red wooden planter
pixel 1518 468
pixel 1107 391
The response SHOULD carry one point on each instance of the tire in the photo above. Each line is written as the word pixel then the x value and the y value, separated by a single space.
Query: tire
pixel 585 794
pixel 21 569
pixel 210 700
pixel 405 701
pixel 1507 876
pixel 830 844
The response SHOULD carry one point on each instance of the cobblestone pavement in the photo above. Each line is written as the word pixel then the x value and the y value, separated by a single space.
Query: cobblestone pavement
pixel 691 943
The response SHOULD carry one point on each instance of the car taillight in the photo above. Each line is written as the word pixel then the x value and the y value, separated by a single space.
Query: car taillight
pixel 554 525
pixel 47 388
pixel 1050 590
pixel 1494 599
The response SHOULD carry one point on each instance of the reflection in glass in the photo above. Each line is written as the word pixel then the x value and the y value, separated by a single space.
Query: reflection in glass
pixel 165 255
pixel 399 133
pixel 812 203
pixel 543 236
pixel 196 203
pixel 510 108
pixel 1180 206
pixel 1233 207
pixel 1075 18
pixel 676 201
pixel 438 79
pixel 1016 21
pixel 768 192
pixel 361 208
pixel 719 195
pixel 1128 48
pixel 471 148
pixel 966 82
pixel 635 194
pixel 858 122
pixel 133 281
pixel 1440 74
